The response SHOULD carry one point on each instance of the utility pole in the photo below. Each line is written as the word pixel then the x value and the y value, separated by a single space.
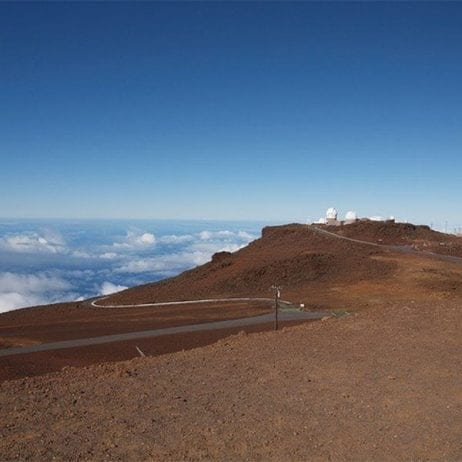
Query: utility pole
pixel 277 295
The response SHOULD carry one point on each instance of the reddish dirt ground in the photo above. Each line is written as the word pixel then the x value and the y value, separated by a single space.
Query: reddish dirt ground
pixel 26 365
pixel 382 384
pixel 314 269
pixel 421 237
pixel 68 321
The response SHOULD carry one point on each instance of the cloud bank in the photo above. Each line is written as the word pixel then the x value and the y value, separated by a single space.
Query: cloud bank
pixel 21 290
pixel 33 242
pixel 108 288
pixel 42 265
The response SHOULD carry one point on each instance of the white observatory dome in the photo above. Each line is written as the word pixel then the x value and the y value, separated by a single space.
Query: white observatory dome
pixel 351 216
pixel 331 214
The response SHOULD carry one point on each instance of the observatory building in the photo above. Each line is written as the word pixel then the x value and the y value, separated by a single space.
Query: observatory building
pixel 350 217
pixel 331 217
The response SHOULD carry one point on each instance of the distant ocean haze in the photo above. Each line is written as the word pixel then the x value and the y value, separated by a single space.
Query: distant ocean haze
pixel 49 261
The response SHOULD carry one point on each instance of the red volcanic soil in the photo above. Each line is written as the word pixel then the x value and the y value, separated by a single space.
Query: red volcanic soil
pixel 381 384
pixel 39 363
pixel 293 256
pixel 68 321
pixel 317 269
pixel 421 237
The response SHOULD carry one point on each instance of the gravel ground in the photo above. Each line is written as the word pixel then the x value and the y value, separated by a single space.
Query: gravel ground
pixel 382 384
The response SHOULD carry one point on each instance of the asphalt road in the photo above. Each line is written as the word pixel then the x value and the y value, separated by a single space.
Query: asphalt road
pixel 284 315
pixel 393 248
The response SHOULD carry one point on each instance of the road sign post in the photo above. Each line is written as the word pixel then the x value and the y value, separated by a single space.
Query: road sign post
pixel 277 295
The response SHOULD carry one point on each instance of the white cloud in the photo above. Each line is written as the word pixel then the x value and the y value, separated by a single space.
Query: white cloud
pixel 209 248
pixel 108 256
pixel 93 263
pixel 174 239
pixel 207 235
pixel 53 237
pixel 81 254
pixel 21 290
pixel 146 238
pixel 167 263
pixel 198 249
pixel 13 300
pixel 136 239
pixel 225 235
pixel 108 288
pixel 246 236
pixel 31 282
pixel 197 254
pixel 142 265
pixel 33 243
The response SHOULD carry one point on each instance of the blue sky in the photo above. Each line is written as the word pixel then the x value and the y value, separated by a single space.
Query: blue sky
pixel 269 111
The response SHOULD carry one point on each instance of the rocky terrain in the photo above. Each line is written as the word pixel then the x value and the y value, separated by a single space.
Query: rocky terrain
pixel 319 270
pixel 420 237
pixel 383 384
pixel 379 382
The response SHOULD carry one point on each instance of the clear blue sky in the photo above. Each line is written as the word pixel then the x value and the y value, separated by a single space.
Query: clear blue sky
pixel 231 110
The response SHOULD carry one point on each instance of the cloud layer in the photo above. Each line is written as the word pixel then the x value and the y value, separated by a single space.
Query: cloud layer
pixel 33 242
pixel 42 264
pixel 108 288
pixel 20 290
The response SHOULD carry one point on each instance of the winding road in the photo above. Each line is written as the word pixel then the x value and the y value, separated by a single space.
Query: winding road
pixel 95 304
pixel 393 248
pixel 286 313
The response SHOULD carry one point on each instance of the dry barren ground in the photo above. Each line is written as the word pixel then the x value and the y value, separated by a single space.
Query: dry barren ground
pixel 66 321
pixel 43 362
pixel 382 384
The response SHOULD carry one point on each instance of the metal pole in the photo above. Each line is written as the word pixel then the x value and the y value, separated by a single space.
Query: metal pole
pixel 277 295
pixel 276 309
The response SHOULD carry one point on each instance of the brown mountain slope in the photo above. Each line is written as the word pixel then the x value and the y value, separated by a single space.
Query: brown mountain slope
pixel 312 268
pixel 420 236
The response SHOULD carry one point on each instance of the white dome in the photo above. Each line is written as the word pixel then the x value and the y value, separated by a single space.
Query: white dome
pixel 351 216
pixel 376 218
pixel 331 214
pixel 321 221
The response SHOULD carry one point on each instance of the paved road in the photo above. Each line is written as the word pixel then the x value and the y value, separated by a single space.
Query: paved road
pixel 393 248
pixel 285 315
pixel 95 303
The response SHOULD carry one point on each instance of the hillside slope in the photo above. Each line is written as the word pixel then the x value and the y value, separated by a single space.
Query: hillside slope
pixel 312 268
pixel 421 237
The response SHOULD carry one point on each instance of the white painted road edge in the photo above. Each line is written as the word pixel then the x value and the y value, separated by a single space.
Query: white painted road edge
pixel 95 304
